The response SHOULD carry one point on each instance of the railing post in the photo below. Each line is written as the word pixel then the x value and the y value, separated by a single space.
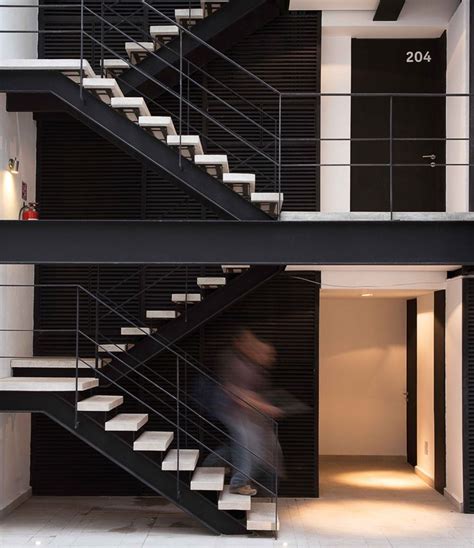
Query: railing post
pixel 391 157
pixel 276 479
pixel 279 150
pixel 81 89
pixel 76 390
pixel 180 96
pixel 178 431
pixel 97 319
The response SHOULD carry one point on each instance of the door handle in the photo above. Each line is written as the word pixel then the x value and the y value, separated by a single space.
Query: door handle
pixel 430 156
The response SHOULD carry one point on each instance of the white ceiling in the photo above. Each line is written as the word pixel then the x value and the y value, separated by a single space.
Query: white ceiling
pixel 334 5
pixel 375 293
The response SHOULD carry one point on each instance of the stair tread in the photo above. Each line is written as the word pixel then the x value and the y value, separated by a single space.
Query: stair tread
pixel 116 63
pixel 267 196
pixel 139 47
pixel 186 13
pixel 46 384
pixel 63 65
pixel 186 297
pixel 235 267
pixel 187 141
pixel 187 460
pixel 126 422
pixel 261 517
pixel 136 103
pixel 109 84
pixel 164 30
pixel 100 403
pixel 112 348
pixel 247 178
pixel 53 363
pixel 231 501
pixel 211 281
pixel 138 331
pixel 162 314
pixel 153 441
pixel 208 479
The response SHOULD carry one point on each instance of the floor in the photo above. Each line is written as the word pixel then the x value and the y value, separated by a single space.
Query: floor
pixel 362 505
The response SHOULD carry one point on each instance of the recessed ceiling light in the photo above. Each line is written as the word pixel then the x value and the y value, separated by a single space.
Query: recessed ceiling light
pixel 367 295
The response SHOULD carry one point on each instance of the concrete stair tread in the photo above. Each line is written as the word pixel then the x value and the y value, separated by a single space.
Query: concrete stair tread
pixel 231 501
pixel 100 403
pixel 188 141
pixel 135 331
pixel 242 183
pixel 67 66
pixel 113 348
pixel 54 363
pixel 46 384
pixel 160 126
pixel 208 479
pixel 104 87
pixel 126 422
pixel 212 282
pixel 131 104
pixel 139 46
pixel 153 441
pixel 187 460
pixel 215 164
pixel 261 517
pixel 115 67
pixel 193 14
pixel 270 202
pixel 162 314
pixel 189 298
pixel 158 31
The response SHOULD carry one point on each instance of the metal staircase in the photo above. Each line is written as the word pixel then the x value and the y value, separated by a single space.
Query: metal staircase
pixel 166 459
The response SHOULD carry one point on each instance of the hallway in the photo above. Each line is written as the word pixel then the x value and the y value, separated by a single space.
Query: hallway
pixel 362 505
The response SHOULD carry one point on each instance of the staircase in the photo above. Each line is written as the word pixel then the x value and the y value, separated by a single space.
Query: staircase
pixel 146 454
pixel 86 395
pixel 107 105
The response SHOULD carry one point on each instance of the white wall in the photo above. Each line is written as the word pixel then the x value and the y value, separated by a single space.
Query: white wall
pixel 425 388
pixel 362 377
pixel 457 110
pixel 17 138
pixel 454 444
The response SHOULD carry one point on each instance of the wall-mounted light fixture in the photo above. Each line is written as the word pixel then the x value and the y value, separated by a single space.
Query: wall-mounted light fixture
pixel 14 165
pixel 367 295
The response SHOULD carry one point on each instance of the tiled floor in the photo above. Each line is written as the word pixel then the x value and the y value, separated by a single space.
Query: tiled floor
pixel 367 505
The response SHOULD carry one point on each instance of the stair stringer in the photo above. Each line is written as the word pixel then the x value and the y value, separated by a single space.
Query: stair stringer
pixel 60 410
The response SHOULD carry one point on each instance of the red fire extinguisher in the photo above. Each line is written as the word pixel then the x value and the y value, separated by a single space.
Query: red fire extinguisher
pixel 29 212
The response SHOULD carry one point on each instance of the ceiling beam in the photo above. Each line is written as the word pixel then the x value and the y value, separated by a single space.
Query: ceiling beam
pixel 389 10
pixel 234 242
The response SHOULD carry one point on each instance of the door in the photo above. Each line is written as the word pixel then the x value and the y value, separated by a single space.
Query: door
pixel 411 393
pixel 412 129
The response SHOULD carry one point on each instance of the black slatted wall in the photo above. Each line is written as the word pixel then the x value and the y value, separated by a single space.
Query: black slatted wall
pixel 82 176
pixel 468 393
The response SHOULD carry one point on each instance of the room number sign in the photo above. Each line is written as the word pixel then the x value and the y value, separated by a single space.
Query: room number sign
pixel 418 57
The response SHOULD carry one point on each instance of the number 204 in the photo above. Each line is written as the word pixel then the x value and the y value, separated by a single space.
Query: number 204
pixel 418 57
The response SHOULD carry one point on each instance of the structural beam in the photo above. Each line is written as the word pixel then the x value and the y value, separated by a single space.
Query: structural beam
pixel 233 242
pixel 389 10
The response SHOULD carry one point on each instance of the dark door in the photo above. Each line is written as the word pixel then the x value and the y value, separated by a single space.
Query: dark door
pixel 412 382
pixel 398 66
pixel 440 390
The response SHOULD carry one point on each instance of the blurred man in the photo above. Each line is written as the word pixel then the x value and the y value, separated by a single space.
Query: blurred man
pixel 244 375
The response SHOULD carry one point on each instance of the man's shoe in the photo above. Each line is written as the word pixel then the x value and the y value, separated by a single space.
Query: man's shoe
pixel 243 490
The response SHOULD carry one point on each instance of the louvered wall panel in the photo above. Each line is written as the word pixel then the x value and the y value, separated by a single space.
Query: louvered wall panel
pixel 468 393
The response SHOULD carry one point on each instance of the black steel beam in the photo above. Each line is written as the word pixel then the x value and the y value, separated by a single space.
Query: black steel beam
pixel 227 242
pixel 113 447
pixel 389 10
pixel 229 25
pixel 131 138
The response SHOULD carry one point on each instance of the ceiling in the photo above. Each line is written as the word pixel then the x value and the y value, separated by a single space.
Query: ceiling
pixel 374 293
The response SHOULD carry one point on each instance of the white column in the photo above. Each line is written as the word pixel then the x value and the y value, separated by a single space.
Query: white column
pixel 454 438
pixel 17 139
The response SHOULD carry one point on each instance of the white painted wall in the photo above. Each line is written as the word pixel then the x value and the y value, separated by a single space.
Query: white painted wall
pixel 425 388
pixel 457 110
pixel 17 138
pixel 362 377
pixel 454 445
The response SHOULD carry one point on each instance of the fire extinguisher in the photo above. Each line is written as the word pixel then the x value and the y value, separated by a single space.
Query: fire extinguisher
pixel 29 212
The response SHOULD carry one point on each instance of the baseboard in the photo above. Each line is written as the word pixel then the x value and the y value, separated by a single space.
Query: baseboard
pixel 363 458
pixel 424 476
pixel 15 503
pixel 454 501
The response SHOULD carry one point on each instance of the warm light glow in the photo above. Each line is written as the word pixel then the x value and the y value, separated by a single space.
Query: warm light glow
pixel 379 479
pixel 367 295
